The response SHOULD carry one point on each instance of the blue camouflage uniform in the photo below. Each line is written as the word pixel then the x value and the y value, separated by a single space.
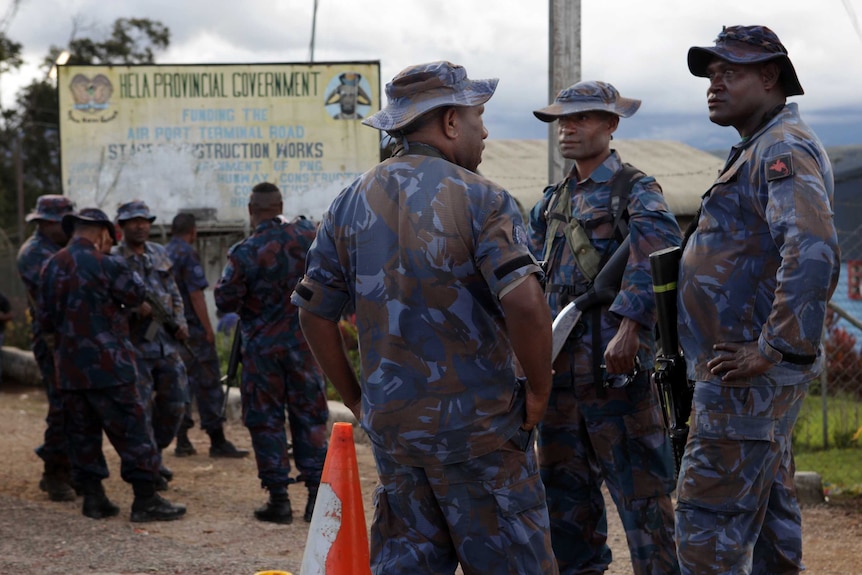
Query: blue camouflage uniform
pixel 278 370
pixel 760 267
pixel 423 264
pixel 203 370
pixel 83 298
pixel 592 434
pixel 162 375
pixel 37 250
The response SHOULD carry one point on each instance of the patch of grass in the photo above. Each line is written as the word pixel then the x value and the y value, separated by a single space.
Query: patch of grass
pixel 841 469
pixel 843 418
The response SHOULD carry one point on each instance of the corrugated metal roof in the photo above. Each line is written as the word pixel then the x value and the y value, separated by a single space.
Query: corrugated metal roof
pixel 684 173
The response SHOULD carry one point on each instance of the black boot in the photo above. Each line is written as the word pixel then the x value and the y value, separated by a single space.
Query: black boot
pixel 96 503
pixel 312 499
pixel 163 469
pixel 277 509
pixel 149 506
pixel 56 482
pixel 221 447
pixel 184 447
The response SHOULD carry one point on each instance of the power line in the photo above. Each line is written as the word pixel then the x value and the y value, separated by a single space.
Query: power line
pixel 10 14
pixel 853 19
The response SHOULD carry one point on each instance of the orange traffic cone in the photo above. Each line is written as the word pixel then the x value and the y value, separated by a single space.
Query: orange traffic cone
pixel 337 537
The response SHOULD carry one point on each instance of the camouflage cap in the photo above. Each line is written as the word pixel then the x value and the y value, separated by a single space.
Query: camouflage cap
pixel 90 216
pixel 51 208
pixel 134 209
pixel 424 87
pixel 747 45
pixel 586 97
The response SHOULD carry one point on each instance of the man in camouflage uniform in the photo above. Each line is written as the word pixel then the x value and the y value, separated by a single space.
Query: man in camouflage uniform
pixel 162 374
pixel 47 240
pixel 756 274
pixel 433 258
pixel 82 299
pixel 601 426
pixel 202 367
pixel 278 370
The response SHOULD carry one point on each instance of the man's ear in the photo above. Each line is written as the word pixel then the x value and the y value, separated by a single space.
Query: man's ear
pixel 769 73
pixel 613 122
pixel 450 121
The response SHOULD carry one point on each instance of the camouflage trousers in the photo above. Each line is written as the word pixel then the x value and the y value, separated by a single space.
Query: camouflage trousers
pixel 487 513
pixel 163 388
pixel 270 384
pixel 737 510
pixel 120 413
pixel 54 450
pixel 204 377
pixel 617 437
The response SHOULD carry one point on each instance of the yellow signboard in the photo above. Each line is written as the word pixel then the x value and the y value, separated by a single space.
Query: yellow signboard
pixel 199 137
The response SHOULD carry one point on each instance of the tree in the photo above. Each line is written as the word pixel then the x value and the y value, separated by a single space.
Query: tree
pixel 34 121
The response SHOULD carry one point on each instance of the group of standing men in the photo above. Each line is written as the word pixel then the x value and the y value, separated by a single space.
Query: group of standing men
pixel 123 339
pixel 452 311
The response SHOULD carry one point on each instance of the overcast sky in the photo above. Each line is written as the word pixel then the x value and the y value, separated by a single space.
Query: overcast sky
pixel 638 46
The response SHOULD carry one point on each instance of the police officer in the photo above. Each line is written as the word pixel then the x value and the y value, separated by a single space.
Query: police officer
pixel 47 240
pixel 756 274
pixel 202 367
pixel 602 426
pixel 163 381
pixel 81 301
pixel 278 370
pixel 433 258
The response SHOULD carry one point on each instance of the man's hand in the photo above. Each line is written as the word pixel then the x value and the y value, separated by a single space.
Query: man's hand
pixel 355 408
pixel 623 347
pixel 209 335
pixel 738 361
pixel 145 310
pixel 182 333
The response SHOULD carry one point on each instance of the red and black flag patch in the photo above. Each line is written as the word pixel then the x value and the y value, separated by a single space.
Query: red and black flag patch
pixel 779 167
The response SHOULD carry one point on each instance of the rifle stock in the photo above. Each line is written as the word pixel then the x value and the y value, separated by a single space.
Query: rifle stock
pixel 229 378
pixel 671 380
pixel 162 317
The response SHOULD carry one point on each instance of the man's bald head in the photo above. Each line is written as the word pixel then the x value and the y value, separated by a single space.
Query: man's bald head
pixel 264 202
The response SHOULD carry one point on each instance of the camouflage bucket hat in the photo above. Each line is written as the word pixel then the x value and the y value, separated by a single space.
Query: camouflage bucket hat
pixel 424 87
pixel 90 216
pixel 134 209
pixel 747 45
pixel 587 97
pixel 51 208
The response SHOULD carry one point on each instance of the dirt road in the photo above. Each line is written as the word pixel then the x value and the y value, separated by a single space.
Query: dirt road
pixel 219 534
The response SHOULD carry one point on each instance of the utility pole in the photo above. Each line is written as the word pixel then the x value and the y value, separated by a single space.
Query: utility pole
pixel 313 31
pixel 564 66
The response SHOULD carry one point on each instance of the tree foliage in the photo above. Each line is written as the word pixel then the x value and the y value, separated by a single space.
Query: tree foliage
pixel 33 123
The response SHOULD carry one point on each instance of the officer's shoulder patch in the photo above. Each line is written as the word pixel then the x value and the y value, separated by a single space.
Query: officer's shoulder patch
pixel 779 167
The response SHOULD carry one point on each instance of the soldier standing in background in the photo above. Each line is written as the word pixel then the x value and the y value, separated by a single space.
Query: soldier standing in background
pixel 162 374
pixel 203 368
pixel 278 369
pixel 81 303
pixel 46 241
pixel 601 425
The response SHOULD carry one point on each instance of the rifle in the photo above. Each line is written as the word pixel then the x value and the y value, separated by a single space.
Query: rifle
pixel 229 378
pixel 163 318
pixel 675 391
pixel 604 289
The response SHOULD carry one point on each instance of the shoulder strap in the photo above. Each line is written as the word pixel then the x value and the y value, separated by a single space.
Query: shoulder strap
pixel 558 210
pixel 621 189
pixel 623 183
